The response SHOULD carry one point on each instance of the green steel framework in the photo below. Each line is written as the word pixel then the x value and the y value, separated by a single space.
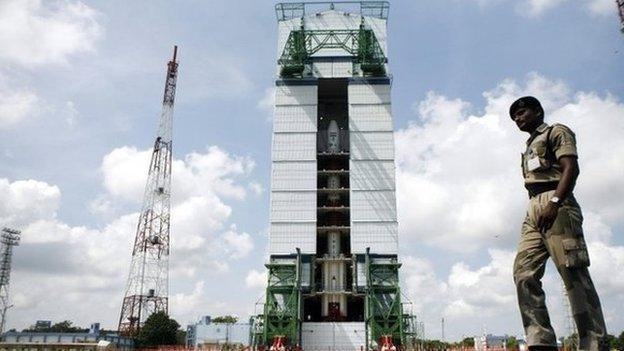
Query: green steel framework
pixel 360 43
pixel 283 300
pixel 289 10
pixel 383 309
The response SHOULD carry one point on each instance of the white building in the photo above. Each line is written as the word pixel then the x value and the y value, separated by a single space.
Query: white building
pixel 333 219
pixel 205 333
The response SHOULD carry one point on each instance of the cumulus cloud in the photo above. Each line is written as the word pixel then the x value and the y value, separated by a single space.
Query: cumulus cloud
pixel 17 103
pixel 459 174
pixel 26 200
pixel 256 279
pixel 467 298
pixel 535 8
pixel 601 7
pixel 34 33
pixel 237 245
pixel 207 174
pixel 86 262
pixel 460 190
pixel 267 103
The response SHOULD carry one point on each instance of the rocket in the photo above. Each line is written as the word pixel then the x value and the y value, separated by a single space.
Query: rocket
pixel 333 146
pixel 333 137
pixel 334 300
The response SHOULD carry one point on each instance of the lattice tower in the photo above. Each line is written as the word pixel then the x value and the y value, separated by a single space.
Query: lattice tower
pixel 147 290
pixel 8 239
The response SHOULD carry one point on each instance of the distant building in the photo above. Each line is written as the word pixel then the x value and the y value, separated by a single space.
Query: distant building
pixel 42 324
pixel 489 341
pixel 92 340
pixel 206 335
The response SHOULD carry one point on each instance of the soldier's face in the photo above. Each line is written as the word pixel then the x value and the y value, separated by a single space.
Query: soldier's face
pixel 527 119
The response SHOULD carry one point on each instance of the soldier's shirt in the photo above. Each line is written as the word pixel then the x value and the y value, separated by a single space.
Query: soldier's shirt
pixel 539 163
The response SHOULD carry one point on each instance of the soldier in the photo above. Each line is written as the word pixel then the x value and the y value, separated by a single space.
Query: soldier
pixel 552 228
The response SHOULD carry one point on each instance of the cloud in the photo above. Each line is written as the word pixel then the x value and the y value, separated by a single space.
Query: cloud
pixel 601 7
pixel 17 103
pixel 256 280
pixel 459 175
pixel 35 33
pixel 26 200
pixel 536 8
pixel 267 103
pixel 466 299
pixel 237 245
pixel 73 263
pixel 207 174
pixel 459 189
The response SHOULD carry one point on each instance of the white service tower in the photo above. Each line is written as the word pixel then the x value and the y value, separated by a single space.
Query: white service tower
pixel 333 241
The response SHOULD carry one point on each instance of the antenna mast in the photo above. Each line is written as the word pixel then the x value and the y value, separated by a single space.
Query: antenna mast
pixel 8 239
pixel 147 290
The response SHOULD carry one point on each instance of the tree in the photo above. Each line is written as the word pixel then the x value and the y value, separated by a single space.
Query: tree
pixel 512 343
pixel 181 337
pixel 618 343
pixel 60 327
pixel 467 342
pixel 158 329
pixel 225 319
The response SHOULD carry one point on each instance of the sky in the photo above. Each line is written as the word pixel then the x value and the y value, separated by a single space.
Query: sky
pixel 81 86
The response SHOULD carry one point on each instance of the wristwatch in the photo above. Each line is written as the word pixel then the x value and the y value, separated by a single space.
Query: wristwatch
pixel 556 200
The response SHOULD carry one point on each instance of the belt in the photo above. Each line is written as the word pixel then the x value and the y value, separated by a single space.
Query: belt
pixel 538 188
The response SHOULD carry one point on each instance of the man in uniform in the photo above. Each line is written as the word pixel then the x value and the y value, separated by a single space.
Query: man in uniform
pixel 552 228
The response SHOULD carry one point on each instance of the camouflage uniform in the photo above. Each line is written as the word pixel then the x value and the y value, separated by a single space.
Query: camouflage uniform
pixel 563 242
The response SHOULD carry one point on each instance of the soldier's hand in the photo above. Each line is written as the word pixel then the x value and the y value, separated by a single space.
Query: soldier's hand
pixel 547 217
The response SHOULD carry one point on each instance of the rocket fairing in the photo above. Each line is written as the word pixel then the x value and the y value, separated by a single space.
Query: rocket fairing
pixel 333 137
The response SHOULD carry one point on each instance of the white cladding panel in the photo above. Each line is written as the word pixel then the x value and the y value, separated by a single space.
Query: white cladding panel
pixel 370 118
pixel 294 147
pixel 293 206
pixel 342 68
pixel 369 93
pixel 294 118
pixel 372 145
pixel 380 237
pixel 333 336
pixel 332 19
pixel 332 69
pixel 296 95
pixel 373 206
pixel 371 175
pixel 322 69
pixel 293 176
pixel 284 238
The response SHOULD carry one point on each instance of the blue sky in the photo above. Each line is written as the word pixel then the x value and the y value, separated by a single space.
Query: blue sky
pixel 83 84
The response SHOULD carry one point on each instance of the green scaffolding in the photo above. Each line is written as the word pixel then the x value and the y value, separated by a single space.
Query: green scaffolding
pixel 360 43
pixel 383 310
pixel 283 300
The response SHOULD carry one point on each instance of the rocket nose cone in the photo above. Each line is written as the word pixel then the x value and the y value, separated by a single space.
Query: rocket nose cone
pixel 333 126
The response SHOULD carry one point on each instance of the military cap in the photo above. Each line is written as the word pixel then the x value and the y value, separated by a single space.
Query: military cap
pixel 525 101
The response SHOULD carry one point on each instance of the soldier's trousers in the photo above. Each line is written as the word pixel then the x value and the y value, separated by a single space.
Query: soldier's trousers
pixel 563 242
